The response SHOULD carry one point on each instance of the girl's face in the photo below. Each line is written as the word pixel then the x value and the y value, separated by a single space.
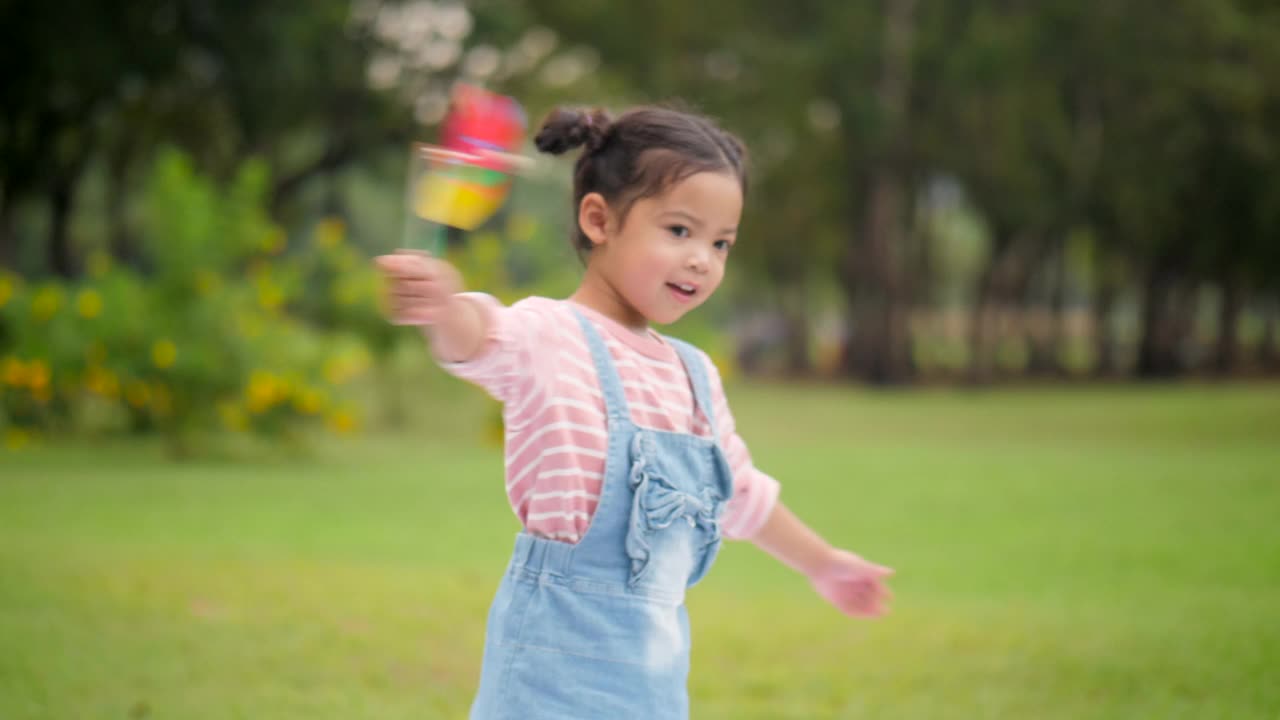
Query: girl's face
pixel 669 254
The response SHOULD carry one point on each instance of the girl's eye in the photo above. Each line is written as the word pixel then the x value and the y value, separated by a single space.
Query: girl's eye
pixel 723 245
pixel 679 231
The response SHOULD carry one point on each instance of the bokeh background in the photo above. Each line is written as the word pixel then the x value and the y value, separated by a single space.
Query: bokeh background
pixel 1003 316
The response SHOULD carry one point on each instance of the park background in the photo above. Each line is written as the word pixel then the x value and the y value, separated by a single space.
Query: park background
pixel 1003 315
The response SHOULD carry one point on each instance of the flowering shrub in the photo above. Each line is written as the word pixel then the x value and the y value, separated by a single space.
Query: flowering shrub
pixel 208 337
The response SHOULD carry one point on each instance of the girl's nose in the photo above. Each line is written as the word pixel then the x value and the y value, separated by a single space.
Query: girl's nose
pixel 697 261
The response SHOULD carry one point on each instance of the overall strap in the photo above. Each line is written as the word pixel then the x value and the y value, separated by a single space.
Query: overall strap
pixel 615 400
pixel 697 371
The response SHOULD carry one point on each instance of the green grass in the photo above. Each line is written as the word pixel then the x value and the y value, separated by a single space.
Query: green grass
pixel 1073 553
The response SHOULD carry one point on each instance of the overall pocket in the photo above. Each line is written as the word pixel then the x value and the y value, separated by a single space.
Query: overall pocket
pixel 617 627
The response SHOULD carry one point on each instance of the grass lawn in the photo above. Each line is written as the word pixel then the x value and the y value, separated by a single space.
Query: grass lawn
pixel 1070 553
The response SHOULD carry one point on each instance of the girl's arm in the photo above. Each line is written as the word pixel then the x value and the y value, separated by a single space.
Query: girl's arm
pixel 792 542
pixel 460 332
pixel 423 290
pixel 854 585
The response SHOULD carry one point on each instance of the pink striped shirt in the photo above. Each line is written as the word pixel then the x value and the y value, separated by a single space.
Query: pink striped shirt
pixel 536 362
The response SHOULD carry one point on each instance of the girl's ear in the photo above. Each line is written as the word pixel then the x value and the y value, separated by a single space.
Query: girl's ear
pixel 593 218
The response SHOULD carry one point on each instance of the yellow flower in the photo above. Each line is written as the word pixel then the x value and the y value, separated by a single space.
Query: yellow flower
pixel 38 376
pixel 89 304
pixel 341 369
pixel 7 288
pixel 16 438
pixel 258 269
pixel 521 227
pixel 725 365
pixel 308 402
pixel 495 430
pixel 162 399
pixel 329 232
pixel 163 354
pixel 346 294
pixel 335 371
pixel 250 325
pixel 137 394
pixel 342 422
pixel 15 373
pixel 96 353
pixel 270 296
pixel 207 282
pixel 46 303
pixel 232 416
pixel 102 381
pixel 263 392
pixel 274 242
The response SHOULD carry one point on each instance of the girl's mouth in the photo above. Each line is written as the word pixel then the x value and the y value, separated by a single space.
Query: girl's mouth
pixel 682 292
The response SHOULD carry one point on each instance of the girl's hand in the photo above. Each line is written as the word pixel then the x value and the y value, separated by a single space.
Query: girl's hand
pixel 855 586
pixel 420 288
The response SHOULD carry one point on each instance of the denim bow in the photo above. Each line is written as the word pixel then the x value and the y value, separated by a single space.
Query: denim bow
pixel 657 504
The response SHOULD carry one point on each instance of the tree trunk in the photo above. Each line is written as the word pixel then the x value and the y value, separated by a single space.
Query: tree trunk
pixel 879 343
pixel 1104 337
pixel 121 242
pixel 1059 334
pixel 795 314
pixel 8 243
pixel 1158 351
pixel 1268 353
pixel 1186 300
pixel 62 259
pixel 979 328
pixel 1048 331
pixel 1106 361
pixel 334 157
pixel 992 290
pixel 1226 355
pixel 880 351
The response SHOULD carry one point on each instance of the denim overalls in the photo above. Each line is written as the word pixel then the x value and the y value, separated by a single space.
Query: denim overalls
pixel 599 629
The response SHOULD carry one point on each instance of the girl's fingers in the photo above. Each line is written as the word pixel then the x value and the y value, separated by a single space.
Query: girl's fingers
pixel 413 277
pixel 427 289
pixel 414 310
pixel 418 301
pixel 866 597
pixel 406 266
pixel 423 287
pixel 399 267
pixel 412 303
pixel 415 316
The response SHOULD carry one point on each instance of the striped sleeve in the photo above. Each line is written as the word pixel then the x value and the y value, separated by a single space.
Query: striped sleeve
pixel 505 366
pixel 754 492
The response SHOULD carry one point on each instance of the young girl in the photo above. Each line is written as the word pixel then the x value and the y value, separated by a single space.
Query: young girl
pixel 622 461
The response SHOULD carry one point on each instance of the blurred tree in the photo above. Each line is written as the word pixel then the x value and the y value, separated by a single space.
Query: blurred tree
pixel 793 80
pixel 1183 125
pixel 295 85
pixel 68 68
pixel 1111 151
pixel 1014 119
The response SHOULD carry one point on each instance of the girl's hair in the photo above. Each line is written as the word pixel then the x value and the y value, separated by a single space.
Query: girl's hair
pixel 639 155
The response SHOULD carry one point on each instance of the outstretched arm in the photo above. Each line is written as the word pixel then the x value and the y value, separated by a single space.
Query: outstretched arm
pixel 423 290
pixel 855 586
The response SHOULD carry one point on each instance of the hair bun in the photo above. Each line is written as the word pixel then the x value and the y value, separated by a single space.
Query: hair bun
pixel 564 130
